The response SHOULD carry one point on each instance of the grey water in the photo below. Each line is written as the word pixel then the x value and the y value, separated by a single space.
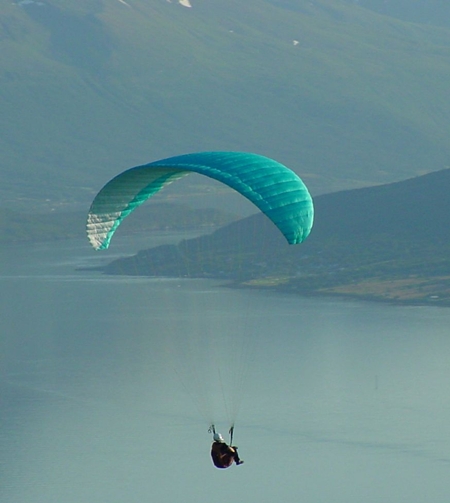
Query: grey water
pixel 102 400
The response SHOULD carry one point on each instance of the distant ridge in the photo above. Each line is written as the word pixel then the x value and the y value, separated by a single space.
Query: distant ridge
pixel 389 242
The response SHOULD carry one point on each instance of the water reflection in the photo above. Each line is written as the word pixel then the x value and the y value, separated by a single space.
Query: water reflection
pixel 350 400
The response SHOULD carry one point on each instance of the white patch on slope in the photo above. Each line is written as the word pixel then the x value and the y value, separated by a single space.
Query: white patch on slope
pixel 125 3
pixel 185 3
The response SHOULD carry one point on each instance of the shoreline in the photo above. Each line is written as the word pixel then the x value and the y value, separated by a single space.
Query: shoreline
pixel 414 299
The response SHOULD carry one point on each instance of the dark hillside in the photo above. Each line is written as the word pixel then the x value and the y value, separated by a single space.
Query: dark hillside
pixel 416 209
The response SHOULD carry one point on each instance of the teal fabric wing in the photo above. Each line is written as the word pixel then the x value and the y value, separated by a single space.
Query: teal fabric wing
pixel 272 187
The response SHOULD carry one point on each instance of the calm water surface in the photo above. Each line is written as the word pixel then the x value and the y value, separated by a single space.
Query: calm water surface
pixel 107 388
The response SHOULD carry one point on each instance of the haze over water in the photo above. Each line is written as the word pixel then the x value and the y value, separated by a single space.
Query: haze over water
pixel 342 401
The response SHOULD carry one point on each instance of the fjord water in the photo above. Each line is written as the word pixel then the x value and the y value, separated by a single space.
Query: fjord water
pixel 343 401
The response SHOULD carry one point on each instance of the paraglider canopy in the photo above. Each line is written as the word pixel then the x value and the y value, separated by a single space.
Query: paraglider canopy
pixel 272 187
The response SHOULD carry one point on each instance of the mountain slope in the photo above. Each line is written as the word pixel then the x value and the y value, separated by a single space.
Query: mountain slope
pixel 434 12
pixel 336 92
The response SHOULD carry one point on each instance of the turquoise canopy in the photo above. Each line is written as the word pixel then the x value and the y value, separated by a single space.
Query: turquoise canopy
pixel 275 189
